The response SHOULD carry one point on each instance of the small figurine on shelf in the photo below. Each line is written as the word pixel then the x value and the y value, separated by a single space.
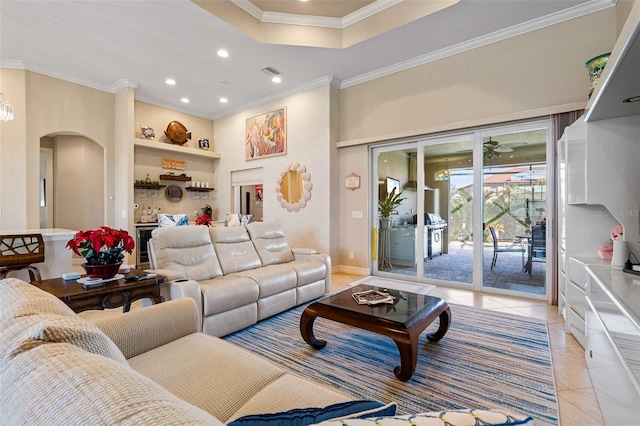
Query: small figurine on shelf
pixel 147 180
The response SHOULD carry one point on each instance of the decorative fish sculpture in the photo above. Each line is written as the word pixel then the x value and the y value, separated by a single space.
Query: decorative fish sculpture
pixel 177 133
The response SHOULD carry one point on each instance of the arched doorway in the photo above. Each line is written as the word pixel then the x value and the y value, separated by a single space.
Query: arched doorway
pixel 72 182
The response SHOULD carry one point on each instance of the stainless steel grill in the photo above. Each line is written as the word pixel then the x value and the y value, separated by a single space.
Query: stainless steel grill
pixel 434 224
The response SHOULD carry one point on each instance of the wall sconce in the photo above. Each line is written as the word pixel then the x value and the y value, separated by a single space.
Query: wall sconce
pixel 6 110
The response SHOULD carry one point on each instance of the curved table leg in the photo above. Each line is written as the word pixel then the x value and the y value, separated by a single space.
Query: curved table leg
pixel 306 329
pixel 408 348
pixel 445 320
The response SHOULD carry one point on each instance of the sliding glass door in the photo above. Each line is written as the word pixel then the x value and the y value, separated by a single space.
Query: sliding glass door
pixel 470 210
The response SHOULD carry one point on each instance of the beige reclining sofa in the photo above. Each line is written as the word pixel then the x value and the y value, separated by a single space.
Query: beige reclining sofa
pixel 237 275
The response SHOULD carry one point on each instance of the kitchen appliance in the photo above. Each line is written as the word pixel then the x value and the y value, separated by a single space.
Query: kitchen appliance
pixel 434 230
pixel 143 235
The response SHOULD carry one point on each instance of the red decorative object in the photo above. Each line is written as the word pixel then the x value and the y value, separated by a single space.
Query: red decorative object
pixel 102 271
pixel 204 219
pixel 104 246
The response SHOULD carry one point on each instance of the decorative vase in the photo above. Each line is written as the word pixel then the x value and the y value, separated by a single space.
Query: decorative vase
pixel 595 67
pixel 102 271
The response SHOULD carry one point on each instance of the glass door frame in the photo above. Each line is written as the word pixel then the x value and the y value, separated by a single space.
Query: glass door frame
pixel 478 215
pixel 374 152
pixel 477 136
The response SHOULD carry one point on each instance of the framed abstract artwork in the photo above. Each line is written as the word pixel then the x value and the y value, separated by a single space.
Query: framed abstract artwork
pixel 266 135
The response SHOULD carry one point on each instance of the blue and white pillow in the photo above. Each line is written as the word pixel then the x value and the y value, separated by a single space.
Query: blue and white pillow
pixel 466 417
pixel 307 416
pixel 172 220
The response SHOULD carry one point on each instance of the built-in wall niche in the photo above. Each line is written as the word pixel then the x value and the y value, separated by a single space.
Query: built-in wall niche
pixel 196 186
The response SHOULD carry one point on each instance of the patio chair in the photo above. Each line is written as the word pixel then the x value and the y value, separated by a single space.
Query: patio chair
pixel 538 245
pixel 512 248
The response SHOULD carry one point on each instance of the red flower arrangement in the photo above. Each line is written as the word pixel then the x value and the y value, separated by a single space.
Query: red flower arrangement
pixel 204 219
pixel 102 246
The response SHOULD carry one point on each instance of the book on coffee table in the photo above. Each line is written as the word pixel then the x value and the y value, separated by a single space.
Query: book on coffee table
pixel 372 297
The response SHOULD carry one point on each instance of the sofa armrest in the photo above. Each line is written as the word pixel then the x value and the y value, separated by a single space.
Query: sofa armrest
pixel 310 254
pixel 171 274
pixel 144 329
pixel 183 288
pixel 303 251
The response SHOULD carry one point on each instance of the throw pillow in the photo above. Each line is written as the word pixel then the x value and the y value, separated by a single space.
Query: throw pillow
pixel 307 416
pixel 172 220
pixel 466 417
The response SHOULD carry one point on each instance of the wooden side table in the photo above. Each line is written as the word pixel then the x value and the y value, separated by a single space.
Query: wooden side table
pixel 112 294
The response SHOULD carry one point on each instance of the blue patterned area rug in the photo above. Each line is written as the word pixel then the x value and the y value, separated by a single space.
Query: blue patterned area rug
pixel 486 360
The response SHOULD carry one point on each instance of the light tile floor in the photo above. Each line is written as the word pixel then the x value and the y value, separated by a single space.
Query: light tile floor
pixel 577 402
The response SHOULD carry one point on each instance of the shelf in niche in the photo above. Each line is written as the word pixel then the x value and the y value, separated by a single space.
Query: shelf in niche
pixel 161 146
pixel 173 177
pixel 148 186
pixel 191 188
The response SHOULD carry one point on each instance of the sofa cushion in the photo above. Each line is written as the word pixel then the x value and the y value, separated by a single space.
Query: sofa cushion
pixel 59 383
pixel 289 392
pixel 227 292
pixel 307 416
pixel 187 249
pixel 32 317
pixel 308 271
pixel 466 417
pixel 208 372
pixel 235 249
pixel 272 279
pixel 270 243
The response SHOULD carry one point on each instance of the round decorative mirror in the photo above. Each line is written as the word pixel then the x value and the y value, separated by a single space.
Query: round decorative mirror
pixel 293 187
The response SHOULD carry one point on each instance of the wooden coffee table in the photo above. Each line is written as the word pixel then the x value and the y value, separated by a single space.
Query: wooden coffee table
pixel 403 321
pixel 112 294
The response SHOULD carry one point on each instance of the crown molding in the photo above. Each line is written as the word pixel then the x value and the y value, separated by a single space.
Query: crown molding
pixel 172 107
pixel 315 21
pixel 323 81
pixel 12 64
pixel 121 84
pixel 516 30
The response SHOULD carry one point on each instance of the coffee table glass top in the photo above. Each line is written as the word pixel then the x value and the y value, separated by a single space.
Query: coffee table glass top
pixel 402 310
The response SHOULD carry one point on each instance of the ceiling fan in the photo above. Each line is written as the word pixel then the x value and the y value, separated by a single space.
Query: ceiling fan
pixel 495 148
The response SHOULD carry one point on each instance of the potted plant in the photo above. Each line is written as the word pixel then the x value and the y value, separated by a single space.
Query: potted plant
pixel 103 250
pixel 389 206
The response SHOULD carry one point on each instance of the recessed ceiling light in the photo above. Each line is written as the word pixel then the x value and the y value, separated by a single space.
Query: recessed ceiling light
pixel 632 99
pixel 224 100
pixel 185 100
pixel 170 82
pixel 223 53
pixel 276 79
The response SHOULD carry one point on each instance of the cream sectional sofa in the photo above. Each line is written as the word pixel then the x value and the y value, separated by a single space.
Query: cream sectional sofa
pixel 148 366
pixel 151 366
pixel 237 275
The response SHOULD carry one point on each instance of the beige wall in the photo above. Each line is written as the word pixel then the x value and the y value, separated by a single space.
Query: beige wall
pixel 308 143
pixel 532 72
pixel 13 154
pixel 535 70
pixel 159 118
pixel 50 107
pixel 78 183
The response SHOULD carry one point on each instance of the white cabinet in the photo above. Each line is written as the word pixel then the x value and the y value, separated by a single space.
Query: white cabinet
pixel 575 150
pixel 403 245
pixel 612 350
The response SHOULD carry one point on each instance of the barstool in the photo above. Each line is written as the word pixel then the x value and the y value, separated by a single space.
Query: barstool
pixel 19 251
